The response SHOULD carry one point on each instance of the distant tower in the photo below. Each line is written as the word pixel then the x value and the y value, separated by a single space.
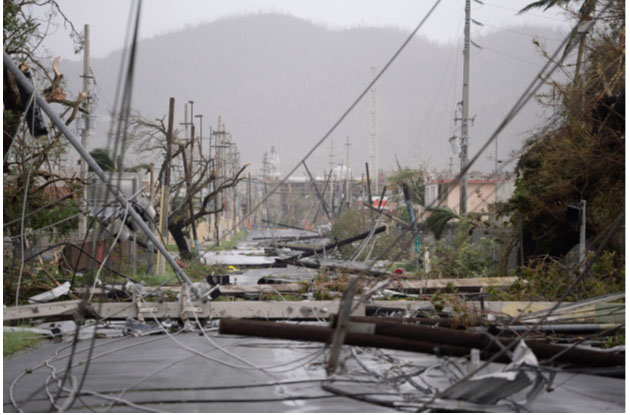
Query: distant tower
pixel 265 165
pixel 273 162
pixel 373 145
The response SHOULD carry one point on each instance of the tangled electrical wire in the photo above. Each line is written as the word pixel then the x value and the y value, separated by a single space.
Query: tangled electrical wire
pixel 397 374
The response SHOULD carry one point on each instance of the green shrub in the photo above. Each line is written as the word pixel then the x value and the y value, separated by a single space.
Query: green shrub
pixel 547 279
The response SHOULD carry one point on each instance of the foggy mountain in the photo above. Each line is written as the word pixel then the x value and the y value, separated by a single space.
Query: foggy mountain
pixel 282 81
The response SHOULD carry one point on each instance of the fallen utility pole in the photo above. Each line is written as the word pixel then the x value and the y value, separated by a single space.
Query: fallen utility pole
pixel 283 225
pixel 392 217
pixel 188 178
pixel 165 192
pixel 333 245
pixel 435 322
pixel 341 330
pixel 462 324
pixel 299 310
pixel 542 350
pixel 419 339
pixel 320 334
pixel 287 238
pixel 135 216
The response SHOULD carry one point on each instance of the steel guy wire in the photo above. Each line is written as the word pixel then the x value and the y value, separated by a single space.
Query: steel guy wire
pixel 437 95
pixel 243 386
pixel 109 251
pixel 156 372
pixel 530 91
pixel 220 361
pixel 224 350
pixel 70 355
pixel 87 349
pixel 34 231
pixel 75 339
pixel 31 103
pixel 121 130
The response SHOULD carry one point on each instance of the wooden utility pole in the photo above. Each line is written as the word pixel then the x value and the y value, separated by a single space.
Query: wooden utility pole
pixel 464 138
pixel 249 193
pixel 347 175
pixel 86 127
pixel 188 178
pixel 219 164
pixel 369 190
pixel 150 263
pixel 164 203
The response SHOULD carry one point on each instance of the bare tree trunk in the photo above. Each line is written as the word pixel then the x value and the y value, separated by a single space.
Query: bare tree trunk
pixel 177 231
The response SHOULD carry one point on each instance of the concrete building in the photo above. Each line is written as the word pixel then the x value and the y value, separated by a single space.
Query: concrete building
pixel 481 193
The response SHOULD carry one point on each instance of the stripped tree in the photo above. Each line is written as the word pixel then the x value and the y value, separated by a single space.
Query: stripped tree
pixel 202 190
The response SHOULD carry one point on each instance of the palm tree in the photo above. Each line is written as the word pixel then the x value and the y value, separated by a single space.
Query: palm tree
pixel 103 159
pixel 584 15
pixel 438 220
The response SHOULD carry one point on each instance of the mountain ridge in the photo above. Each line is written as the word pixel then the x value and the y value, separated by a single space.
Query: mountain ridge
pixel 283 81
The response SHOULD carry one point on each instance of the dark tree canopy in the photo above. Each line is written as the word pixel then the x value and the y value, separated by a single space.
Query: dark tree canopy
pixel 580 154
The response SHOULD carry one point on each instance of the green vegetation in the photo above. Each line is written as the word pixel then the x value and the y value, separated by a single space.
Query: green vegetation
pixel 15 342
pixel 354 221
pixel 548 279
pixel 103 159
pixel 229 243
pixel 415 180
pixel 579 154
pixel 438 220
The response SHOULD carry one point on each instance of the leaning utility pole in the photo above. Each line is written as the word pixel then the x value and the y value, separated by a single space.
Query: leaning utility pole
pixel 86 127
pixel 373 143
pixel 332 168
pixel 347 175
pixel 464 138
pixel 115 191
pixel 165 192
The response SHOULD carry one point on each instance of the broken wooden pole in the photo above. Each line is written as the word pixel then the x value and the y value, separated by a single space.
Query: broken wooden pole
pixel 286 238
pixel 452 323
pixel 341 330
pixel 283 225
pixel 542 350
pixel 303 332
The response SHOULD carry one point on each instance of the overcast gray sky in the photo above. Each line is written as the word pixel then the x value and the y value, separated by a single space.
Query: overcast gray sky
pixel 108 19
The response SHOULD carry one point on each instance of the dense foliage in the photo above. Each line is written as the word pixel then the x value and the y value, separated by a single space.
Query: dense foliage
pixel 33 153
pixel 580 153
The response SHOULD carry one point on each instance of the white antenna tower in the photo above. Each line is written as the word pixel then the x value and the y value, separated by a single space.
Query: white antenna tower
pixel 373 144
